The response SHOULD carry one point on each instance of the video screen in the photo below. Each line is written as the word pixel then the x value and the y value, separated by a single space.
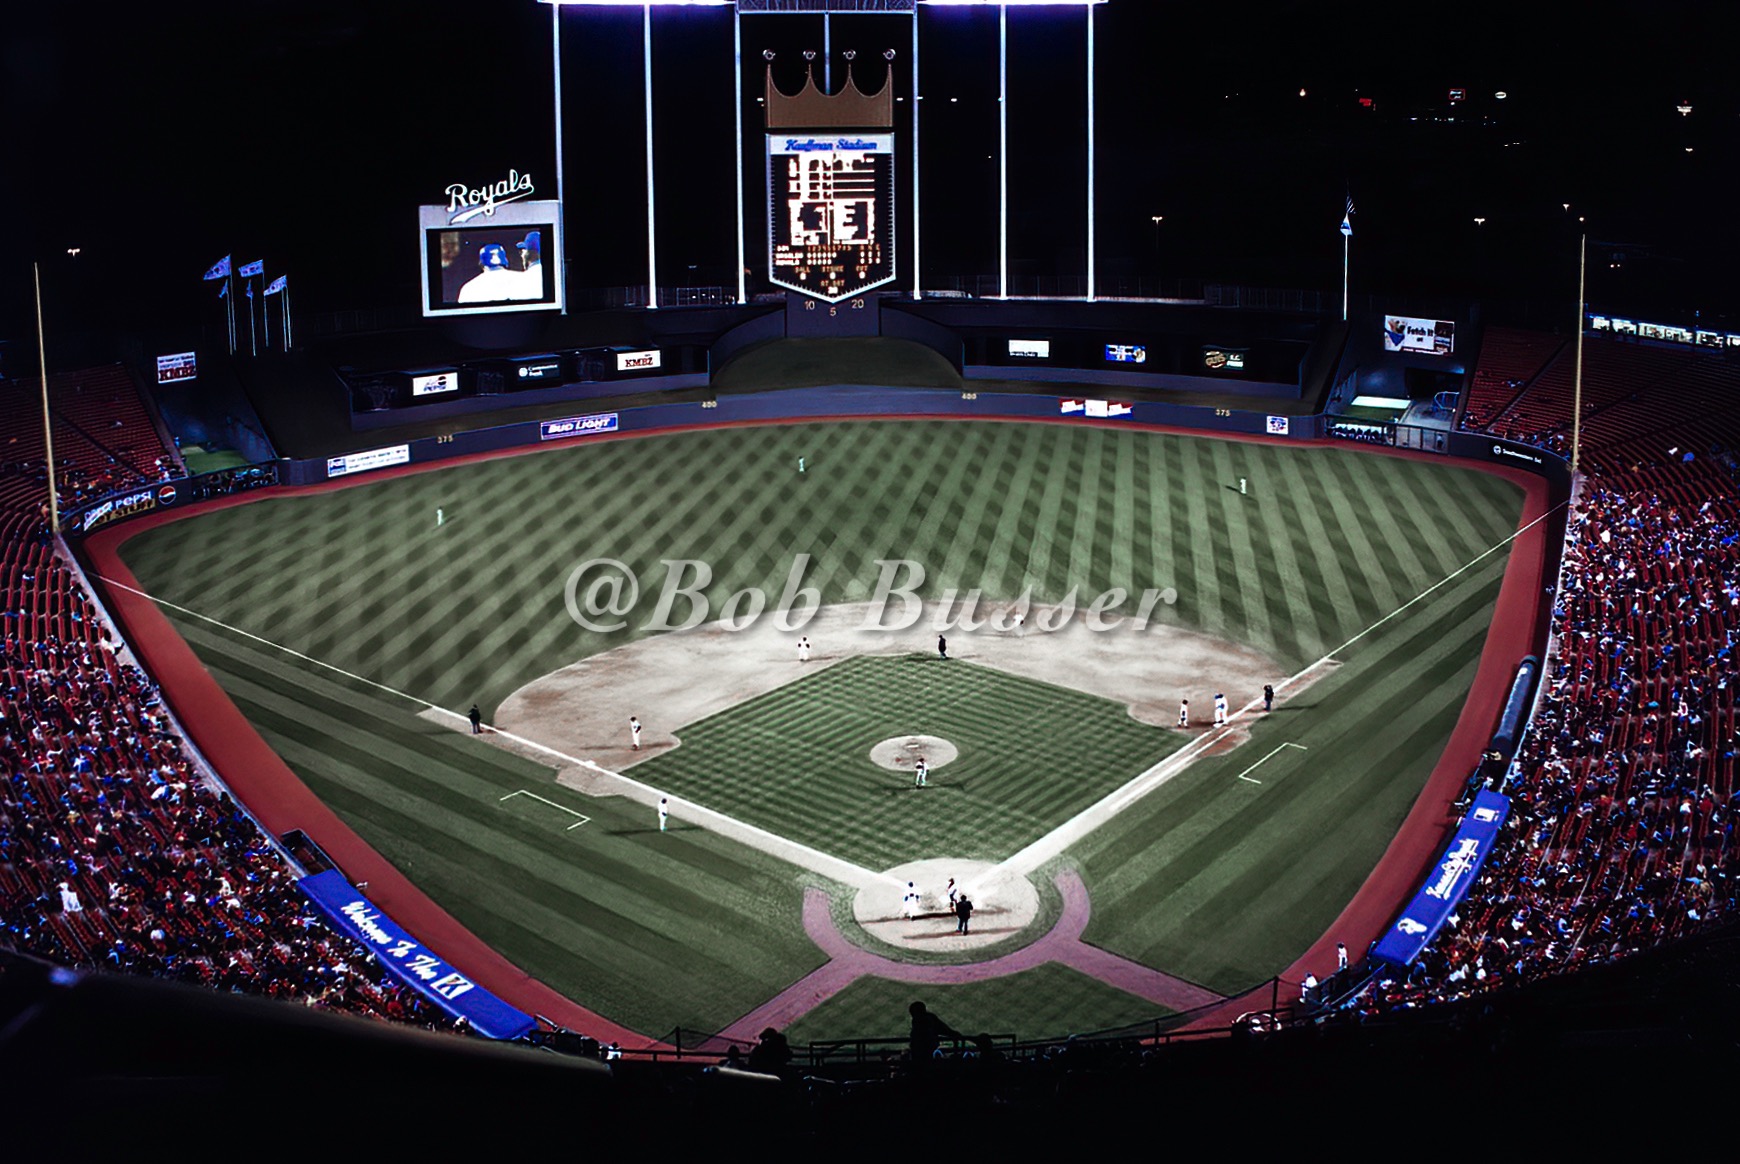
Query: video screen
pixel 490 265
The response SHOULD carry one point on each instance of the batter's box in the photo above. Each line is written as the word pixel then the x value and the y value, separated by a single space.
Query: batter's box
pixel 580 817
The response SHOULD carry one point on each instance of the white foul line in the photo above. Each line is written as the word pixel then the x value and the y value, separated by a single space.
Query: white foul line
pixel 583 817
pixel 752 835
pixel 1094 815
pixel 1246 774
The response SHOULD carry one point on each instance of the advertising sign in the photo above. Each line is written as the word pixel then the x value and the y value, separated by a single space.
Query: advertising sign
pixel 1223 359
pixel 1036 349
pixel 409 961
pixel 369 459
pixel 570 426
pixel 1447 883
pixel 637 361
pixel 1432 337
pixel 435 383
pixel 180 366
pixel 1277 426
pixel 1126 354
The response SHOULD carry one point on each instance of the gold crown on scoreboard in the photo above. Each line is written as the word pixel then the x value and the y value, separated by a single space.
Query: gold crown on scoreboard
pixel 850 108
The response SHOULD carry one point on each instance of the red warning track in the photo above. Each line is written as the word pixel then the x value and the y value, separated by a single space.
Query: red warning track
pixel 282 802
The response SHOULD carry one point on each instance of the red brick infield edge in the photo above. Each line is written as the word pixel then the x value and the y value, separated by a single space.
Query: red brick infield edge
pixel 282 802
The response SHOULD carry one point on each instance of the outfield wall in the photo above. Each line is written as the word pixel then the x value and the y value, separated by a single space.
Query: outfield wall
pixel 838 402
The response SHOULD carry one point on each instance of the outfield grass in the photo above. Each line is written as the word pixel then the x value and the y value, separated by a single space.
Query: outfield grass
pixel 1011 785
pixel 1214 879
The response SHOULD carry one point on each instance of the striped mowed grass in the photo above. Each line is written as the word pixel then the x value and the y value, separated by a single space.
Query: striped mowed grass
pixel 796 761
pixel 1213 878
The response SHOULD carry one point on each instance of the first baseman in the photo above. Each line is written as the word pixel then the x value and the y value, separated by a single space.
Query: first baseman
pixel 1219 709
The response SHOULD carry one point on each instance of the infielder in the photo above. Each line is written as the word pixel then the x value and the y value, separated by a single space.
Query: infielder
pixel 1184 713
pixel 634 731
pixel 1219 709
pixel 804 649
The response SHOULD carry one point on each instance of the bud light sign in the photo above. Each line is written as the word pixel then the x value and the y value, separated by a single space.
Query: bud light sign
pixel 571 426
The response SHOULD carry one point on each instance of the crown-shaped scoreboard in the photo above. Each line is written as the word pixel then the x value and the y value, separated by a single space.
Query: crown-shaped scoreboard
pixel 830 188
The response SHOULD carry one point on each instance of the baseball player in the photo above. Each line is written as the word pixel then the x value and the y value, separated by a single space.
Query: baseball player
pixel 494 280
pixel 910 901
pixel 951 892
pixel 634 731
pixel 1219 709
pixel 664 811
pixel 531 274
pixel 804 649
pixel 919 771
pixel 1184 713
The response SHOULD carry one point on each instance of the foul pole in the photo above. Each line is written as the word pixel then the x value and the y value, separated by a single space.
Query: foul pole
pixel 47 426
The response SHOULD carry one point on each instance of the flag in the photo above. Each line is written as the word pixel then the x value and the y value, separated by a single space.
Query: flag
pixel 223 289
pixel 1346 225
pixel 220 269
pixel 278 284
pixel 249 270
pixel 249 288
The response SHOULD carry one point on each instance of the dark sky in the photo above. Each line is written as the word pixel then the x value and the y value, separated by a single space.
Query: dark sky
pixel 157 138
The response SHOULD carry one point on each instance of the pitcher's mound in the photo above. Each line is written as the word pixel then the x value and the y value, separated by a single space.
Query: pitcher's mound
pixel 901 752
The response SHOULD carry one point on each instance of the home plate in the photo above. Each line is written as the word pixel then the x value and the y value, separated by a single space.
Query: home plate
pixel 1004 903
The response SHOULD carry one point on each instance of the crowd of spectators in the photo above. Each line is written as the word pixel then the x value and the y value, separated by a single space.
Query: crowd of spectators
pixel 1623 794
pixel 116 850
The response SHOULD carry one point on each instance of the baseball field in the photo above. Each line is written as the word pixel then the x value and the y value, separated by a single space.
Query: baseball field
pixel 355 626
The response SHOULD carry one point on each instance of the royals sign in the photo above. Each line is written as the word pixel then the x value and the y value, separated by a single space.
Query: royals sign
pixel 467 202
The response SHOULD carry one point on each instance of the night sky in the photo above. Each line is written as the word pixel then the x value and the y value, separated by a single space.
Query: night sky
pixel 157 138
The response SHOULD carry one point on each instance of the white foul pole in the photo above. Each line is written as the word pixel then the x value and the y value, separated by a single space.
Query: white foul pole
pixel 47 426
pixel 1577 380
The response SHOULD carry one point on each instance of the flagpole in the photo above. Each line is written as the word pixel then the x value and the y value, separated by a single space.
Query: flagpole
pixel 230 305
pixel 1346 238
pixel 286 294
pixel 47 427
pixel 253 340
pixel 265 313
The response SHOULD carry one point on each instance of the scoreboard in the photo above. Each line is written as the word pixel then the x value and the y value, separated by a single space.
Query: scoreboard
pixel 831 213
